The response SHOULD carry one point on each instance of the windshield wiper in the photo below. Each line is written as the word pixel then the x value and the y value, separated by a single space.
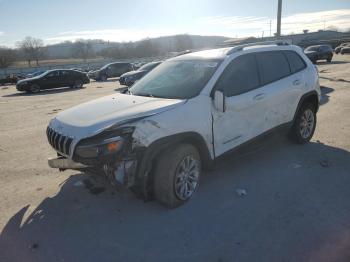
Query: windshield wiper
pixel 147 95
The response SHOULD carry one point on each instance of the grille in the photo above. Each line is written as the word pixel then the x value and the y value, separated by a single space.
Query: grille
pixel 59 142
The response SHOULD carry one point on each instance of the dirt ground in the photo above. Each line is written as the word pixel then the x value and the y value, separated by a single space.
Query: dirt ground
pixel 297 206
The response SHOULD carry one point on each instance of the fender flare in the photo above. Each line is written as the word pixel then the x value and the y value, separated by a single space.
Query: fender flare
pixel 150 153
pixel 304 97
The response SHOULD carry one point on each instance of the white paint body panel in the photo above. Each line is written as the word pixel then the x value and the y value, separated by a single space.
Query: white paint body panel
pixel 245 118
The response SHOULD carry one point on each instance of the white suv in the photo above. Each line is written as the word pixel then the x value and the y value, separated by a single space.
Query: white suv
pixel 157 136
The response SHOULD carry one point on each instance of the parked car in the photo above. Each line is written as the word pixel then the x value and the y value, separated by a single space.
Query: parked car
pixel 10 79
pixel 345 50
pixel 110 70
pixel 319 52
pixel 131 77
pixel 191 110
pixel 53 79
pixel 36 73
pixel 338 49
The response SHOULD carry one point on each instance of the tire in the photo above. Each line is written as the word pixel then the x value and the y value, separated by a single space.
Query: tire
pixel 103 78
pixel 177 175
pixel 329 59
pixel 34 89
pixel 304 125
pixel 78 84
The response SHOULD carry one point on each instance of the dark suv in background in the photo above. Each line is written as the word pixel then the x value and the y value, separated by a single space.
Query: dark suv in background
pixel 319 52
pixel 131 77
pixel 53 79
pixel 110 70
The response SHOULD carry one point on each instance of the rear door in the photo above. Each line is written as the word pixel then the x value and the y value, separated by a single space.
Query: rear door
pixel 66 78
pixel 280 85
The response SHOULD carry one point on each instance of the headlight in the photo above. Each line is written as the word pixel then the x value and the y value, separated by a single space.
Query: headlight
pixel 23 83
pixel 105 147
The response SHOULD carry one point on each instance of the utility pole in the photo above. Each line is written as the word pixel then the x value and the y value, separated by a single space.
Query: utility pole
pixel 279 16
pixel 270 27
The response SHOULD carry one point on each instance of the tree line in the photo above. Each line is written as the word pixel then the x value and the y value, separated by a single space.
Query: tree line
pixel 33 50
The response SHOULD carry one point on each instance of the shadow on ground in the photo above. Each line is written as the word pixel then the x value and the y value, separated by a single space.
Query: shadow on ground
pixel 45 92
pixel 331 63
pixel 296 209
pixel 325 91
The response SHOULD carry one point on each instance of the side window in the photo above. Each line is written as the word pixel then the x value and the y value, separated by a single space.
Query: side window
pixel 273 66
pixel 65 73
pixel 53 74
pixel 295 61
pixel 240 76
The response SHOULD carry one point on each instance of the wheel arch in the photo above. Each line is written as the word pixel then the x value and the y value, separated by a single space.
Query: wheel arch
pixel 150 154
pixel 308 98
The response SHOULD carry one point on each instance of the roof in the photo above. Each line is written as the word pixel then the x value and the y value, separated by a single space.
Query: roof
pixel 221 53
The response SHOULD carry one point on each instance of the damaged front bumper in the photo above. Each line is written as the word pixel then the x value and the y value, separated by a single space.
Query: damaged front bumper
pixel 123 172
pixel 65 163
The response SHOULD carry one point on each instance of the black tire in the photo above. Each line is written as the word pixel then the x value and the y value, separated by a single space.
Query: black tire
pixel 103 78
pixel 34 89
pixel 329 59
pixel 297 134
pixel 78 84
pixel 167 175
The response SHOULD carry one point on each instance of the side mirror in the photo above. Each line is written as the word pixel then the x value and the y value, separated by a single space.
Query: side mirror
pixel 219 101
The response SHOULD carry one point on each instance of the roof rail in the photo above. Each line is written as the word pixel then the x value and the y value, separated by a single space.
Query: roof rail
pixel 241 47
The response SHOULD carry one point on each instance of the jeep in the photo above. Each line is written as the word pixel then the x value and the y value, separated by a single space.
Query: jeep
pixel 157 136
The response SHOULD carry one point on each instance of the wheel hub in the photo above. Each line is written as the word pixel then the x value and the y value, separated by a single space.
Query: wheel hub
pixel 186 178
pixel 307 124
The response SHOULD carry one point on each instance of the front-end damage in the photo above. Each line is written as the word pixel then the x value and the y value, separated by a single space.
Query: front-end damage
pixel 118 152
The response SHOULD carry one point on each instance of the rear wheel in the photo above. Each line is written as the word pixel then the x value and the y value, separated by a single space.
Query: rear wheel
pixel 177 175
pixel 304 126
pixel 34 88
pixel 78 84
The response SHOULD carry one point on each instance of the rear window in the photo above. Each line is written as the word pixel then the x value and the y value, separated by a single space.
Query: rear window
pixel 273 66
pixel 295 61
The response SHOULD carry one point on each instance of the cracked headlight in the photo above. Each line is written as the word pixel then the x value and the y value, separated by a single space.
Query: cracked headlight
pixel 103 148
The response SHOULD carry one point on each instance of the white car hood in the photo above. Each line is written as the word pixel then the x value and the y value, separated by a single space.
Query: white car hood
pixel 91 118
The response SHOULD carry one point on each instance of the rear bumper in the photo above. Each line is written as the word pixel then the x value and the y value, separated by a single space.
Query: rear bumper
pixel 64 163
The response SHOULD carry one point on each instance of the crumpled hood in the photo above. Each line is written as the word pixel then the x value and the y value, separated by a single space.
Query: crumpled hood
pixel 91 118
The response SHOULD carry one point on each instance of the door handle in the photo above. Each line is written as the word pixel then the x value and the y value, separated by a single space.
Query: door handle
pixel 259 97
pixel 296 82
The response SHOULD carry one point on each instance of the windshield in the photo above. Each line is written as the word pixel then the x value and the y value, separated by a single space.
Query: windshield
pixel 312 48
pixel 176 79
pixel 105 66
pixel 148 66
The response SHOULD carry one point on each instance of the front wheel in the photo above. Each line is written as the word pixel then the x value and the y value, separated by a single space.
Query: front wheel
pixel 104 78
pixel 304 125
pixel 34 88
pixel 329 59
pixel 177 175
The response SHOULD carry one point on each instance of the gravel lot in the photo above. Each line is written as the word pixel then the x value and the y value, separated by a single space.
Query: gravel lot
pixel 297 206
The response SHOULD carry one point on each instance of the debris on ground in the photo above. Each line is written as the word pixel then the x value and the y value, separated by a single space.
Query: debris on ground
pixel 34 246
pixel 78 183
pixel 325 163
pixel 99 87
pixel 296 165
pixel 54 111
pixel 241 192
pixel 92 188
